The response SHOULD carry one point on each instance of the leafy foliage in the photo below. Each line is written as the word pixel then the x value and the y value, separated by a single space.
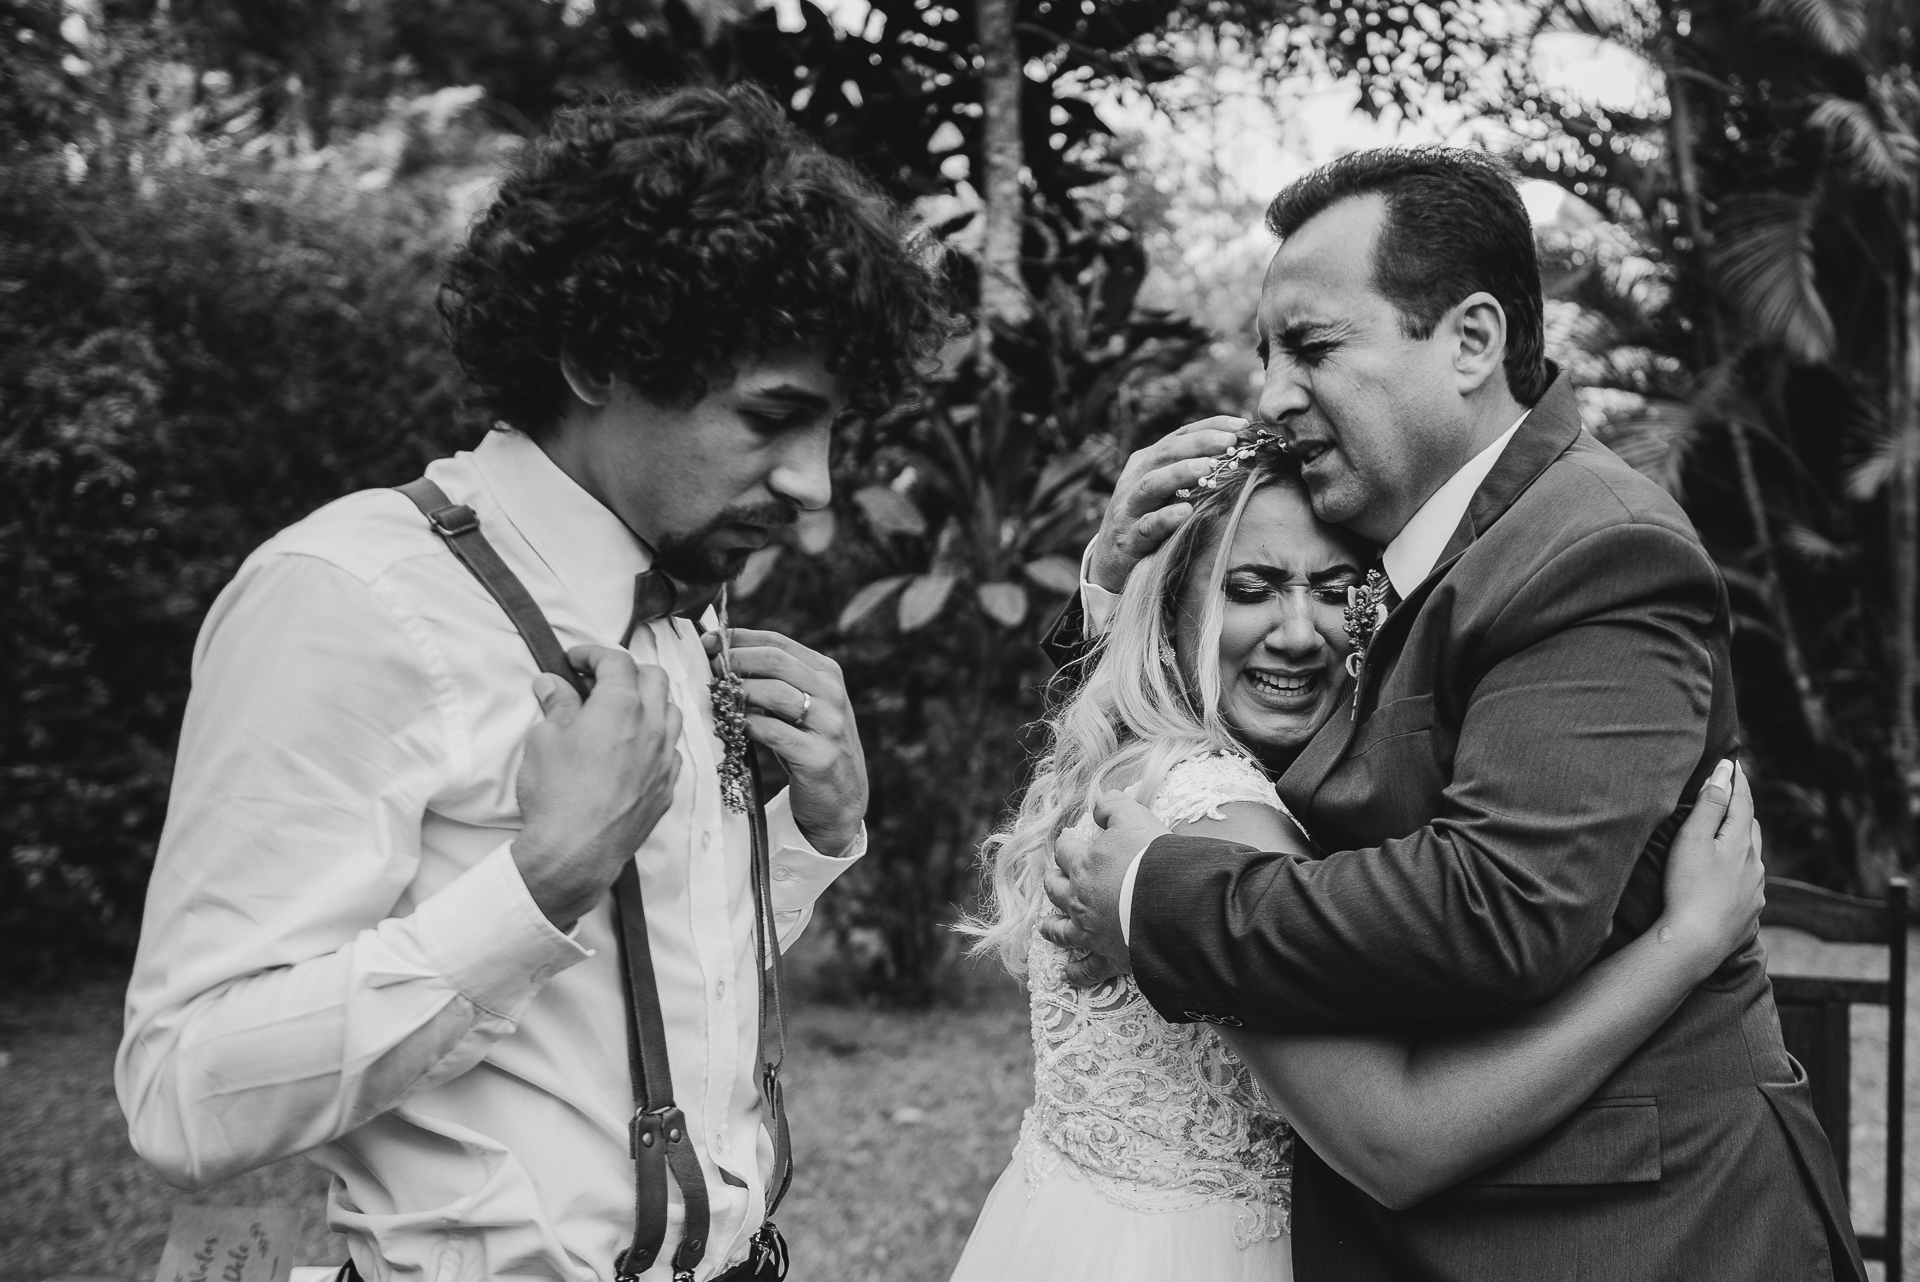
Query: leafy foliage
pixel 1736 268
pixel 956 540
pixel 188 361
pixel 216 254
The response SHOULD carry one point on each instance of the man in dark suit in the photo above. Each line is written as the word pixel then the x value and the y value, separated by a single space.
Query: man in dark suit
pixel 1530 723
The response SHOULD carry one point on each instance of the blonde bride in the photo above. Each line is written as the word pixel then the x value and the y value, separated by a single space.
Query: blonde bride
pixel 1162 1151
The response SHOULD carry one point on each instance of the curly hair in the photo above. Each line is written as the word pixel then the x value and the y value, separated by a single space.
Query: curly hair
pixel 665 239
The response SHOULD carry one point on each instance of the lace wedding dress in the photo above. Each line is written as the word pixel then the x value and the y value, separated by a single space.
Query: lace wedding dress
pixel 1150 1152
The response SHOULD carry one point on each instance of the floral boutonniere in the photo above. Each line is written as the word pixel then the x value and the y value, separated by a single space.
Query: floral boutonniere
pixel 730 722
pixel 1366 611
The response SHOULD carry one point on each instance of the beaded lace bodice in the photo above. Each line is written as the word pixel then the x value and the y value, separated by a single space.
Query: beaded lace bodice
pixel 1158 1116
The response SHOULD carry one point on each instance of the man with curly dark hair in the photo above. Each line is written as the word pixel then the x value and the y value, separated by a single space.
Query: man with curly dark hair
pixel 380 930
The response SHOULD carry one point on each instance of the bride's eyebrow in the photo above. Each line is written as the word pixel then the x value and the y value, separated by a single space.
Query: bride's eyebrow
pixel 1333 572
pixel 1282 574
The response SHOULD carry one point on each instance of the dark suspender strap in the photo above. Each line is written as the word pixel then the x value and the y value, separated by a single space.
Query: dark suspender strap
pixel 657 1136
pixel 773 1014
pixel 457 524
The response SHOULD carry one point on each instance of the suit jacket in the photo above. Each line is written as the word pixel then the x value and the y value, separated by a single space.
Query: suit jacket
pixel 1530 726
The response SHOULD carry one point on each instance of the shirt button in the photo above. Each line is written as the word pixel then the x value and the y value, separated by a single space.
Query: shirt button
pixel 706 840
pixel 720 989
pixel 783 874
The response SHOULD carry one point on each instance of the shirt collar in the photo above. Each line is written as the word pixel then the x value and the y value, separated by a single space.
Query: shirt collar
pixel 1410 557
pixel 583 544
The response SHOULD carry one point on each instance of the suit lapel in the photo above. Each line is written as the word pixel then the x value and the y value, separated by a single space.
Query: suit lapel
pixel 1329 747
pixel 1551 426
pixel 1317 760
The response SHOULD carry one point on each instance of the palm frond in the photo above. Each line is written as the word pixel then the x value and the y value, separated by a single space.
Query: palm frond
pixel 1836 26
pixel 1898 97
pixel 1870 464
pixel 1811 546
pixel 1873 155
pixel 1655 440
pixel 1872 472
pixel 1762 255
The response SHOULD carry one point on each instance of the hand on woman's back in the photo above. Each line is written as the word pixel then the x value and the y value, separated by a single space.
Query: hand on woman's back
pixel 1715 880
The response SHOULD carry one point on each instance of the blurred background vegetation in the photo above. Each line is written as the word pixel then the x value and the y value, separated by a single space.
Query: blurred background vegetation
pixel 220 229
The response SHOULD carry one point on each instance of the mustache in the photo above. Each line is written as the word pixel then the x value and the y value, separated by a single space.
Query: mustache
pixel 769 515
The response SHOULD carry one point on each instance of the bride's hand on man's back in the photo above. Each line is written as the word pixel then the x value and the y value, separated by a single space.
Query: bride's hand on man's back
pixel 1715 881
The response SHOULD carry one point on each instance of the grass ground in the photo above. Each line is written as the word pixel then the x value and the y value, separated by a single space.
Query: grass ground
pixel 902 1121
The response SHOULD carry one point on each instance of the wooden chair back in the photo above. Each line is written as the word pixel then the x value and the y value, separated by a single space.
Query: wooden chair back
pixel 1815 1022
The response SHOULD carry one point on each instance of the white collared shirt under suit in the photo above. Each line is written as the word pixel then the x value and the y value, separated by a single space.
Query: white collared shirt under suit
pixel 339 956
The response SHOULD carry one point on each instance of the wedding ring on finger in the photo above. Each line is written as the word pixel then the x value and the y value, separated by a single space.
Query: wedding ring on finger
pixel 806 706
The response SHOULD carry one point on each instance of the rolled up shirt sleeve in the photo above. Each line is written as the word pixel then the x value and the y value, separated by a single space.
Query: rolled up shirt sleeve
pixel 288 986
pixel 800 873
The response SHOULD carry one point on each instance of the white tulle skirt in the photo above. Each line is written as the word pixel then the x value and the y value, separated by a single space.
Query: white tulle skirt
pixel 1066 1230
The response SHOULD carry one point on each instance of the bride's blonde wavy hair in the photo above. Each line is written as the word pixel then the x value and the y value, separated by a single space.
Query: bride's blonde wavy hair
pixel 1133 716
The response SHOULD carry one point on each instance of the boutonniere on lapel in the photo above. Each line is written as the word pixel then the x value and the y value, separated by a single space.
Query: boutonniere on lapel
pixel 730 720
pixel 1366 611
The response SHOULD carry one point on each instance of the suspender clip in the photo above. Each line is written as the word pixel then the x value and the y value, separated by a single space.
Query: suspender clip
pixel 455 519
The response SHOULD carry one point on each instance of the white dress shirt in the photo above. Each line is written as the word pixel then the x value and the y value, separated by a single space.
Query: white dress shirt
pixel 339 957
pixel 1411 555
pixel 1408 559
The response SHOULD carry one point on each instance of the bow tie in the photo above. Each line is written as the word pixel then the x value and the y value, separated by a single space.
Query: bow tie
pixel 657 595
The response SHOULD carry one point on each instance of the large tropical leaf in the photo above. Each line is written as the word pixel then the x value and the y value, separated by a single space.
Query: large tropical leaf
pixel 754 573
pixel 1762 255
pixel 1004 603
pixel 1055 574
pixel 867 599
pixel 1876 155
pixel 1835 26
pixel 923 600
pixel 889 511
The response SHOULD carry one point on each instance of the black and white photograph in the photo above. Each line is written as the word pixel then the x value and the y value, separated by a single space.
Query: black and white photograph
pixel 958 640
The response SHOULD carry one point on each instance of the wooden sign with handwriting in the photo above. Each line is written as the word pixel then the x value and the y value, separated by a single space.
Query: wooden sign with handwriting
pixel 229 1244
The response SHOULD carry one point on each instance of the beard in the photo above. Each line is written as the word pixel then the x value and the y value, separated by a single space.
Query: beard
pixel 696 557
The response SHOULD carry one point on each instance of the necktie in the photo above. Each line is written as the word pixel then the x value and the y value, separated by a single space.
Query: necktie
pixel 1391 598
pixel 657 594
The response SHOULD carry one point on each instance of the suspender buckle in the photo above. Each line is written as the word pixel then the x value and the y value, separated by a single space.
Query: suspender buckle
pixel 653 1130
pixel 770 1086
pixel 457 518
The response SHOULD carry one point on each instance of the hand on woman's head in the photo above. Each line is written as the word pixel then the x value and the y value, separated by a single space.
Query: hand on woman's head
pixel 1146 509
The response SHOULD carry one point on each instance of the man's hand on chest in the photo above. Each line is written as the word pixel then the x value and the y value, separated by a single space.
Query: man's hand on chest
pixel 596 778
